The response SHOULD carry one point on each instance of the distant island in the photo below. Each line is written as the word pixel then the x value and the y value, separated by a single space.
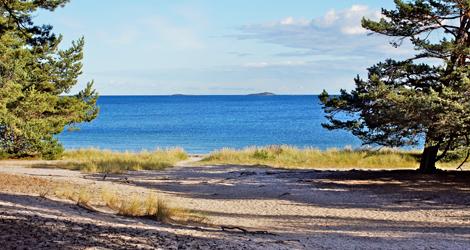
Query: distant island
pixel 262 94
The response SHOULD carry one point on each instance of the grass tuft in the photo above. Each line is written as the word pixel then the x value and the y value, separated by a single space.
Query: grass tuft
pixel 43 193
pixel 110 199
pixel 83 197
pixel 138 206
pixel 149 206
pixel 131 207
pixel 67 192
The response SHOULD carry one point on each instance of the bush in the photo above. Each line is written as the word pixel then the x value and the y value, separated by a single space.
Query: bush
pixel 261 154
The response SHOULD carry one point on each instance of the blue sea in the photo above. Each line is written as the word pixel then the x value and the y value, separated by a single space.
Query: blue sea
pixel 201 124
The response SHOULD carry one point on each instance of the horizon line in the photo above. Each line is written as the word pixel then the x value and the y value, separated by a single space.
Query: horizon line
pixel 176 95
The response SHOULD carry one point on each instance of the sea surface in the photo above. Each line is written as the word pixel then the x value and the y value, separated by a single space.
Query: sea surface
pixel 201 124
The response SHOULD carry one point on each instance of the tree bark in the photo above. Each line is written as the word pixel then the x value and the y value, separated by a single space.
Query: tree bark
pixel 428 160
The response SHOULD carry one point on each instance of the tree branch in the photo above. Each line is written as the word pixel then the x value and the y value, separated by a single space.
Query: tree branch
pixel 468 154
pixel 18 22
pixel 445 150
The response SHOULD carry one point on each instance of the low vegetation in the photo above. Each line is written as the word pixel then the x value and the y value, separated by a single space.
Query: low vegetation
pixel 97 197
pixel 148 206
pixel 106 161
pixel 291 157
pixel 13 183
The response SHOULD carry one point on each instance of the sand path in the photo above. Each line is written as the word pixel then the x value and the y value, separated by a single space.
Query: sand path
pixel 305 209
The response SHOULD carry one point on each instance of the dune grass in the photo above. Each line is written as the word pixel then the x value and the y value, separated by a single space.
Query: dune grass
pixel 149 206
pixel 106 161
pixel 135 205
pixel 144 205
pixel 291 157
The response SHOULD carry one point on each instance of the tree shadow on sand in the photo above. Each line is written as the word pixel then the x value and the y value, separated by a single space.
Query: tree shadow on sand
pixel 28 222
pixel 399 190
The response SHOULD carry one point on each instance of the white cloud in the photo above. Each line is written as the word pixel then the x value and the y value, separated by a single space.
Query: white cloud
pixel 338 32
pixel 330 18
pixel 274 64
pixel 293 21
pixel 287 21
pixel 349 20
pixel 353 30
pixel 357 9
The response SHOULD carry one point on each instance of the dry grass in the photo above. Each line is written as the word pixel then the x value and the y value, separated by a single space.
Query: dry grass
pixel 44 188
pixel 71 192
pixel 131 207
pixel 27 184
pixel 125 205
pixel 84 197
pixel 44 193
pixel 291 157
pixel 122 203
pixel 149 206
pixel 110 199
pixel 106 161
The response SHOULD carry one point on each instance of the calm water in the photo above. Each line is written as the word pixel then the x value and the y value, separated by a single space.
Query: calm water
pixel 201 124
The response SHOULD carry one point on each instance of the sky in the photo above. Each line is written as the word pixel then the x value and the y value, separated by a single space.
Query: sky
pixel 161 47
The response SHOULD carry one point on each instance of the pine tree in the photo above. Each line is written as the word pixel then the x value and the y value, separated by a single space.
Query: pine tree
pixel 424 99
pixel 35 80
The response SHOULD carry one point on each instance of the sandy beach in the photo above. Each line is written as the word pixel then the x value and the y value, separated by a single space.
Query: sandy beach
pixel 234 124
pixel 280 209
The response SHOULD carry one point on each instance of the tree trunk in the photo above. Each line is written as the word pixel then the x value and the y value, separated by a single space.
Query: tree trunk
pixel 428 160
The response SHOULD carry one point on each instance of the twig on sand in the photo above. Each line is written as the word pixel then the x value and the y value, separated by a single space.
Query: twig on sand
pixel 243 230
pixel 87 207
pixel 284 194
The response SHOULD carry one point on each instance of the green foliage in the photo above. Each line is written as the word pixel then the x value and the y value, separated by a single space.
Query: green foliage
pixel 403 102
pixel 4 155
pixel 262 154
pixel 35 78
pixel 454 156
